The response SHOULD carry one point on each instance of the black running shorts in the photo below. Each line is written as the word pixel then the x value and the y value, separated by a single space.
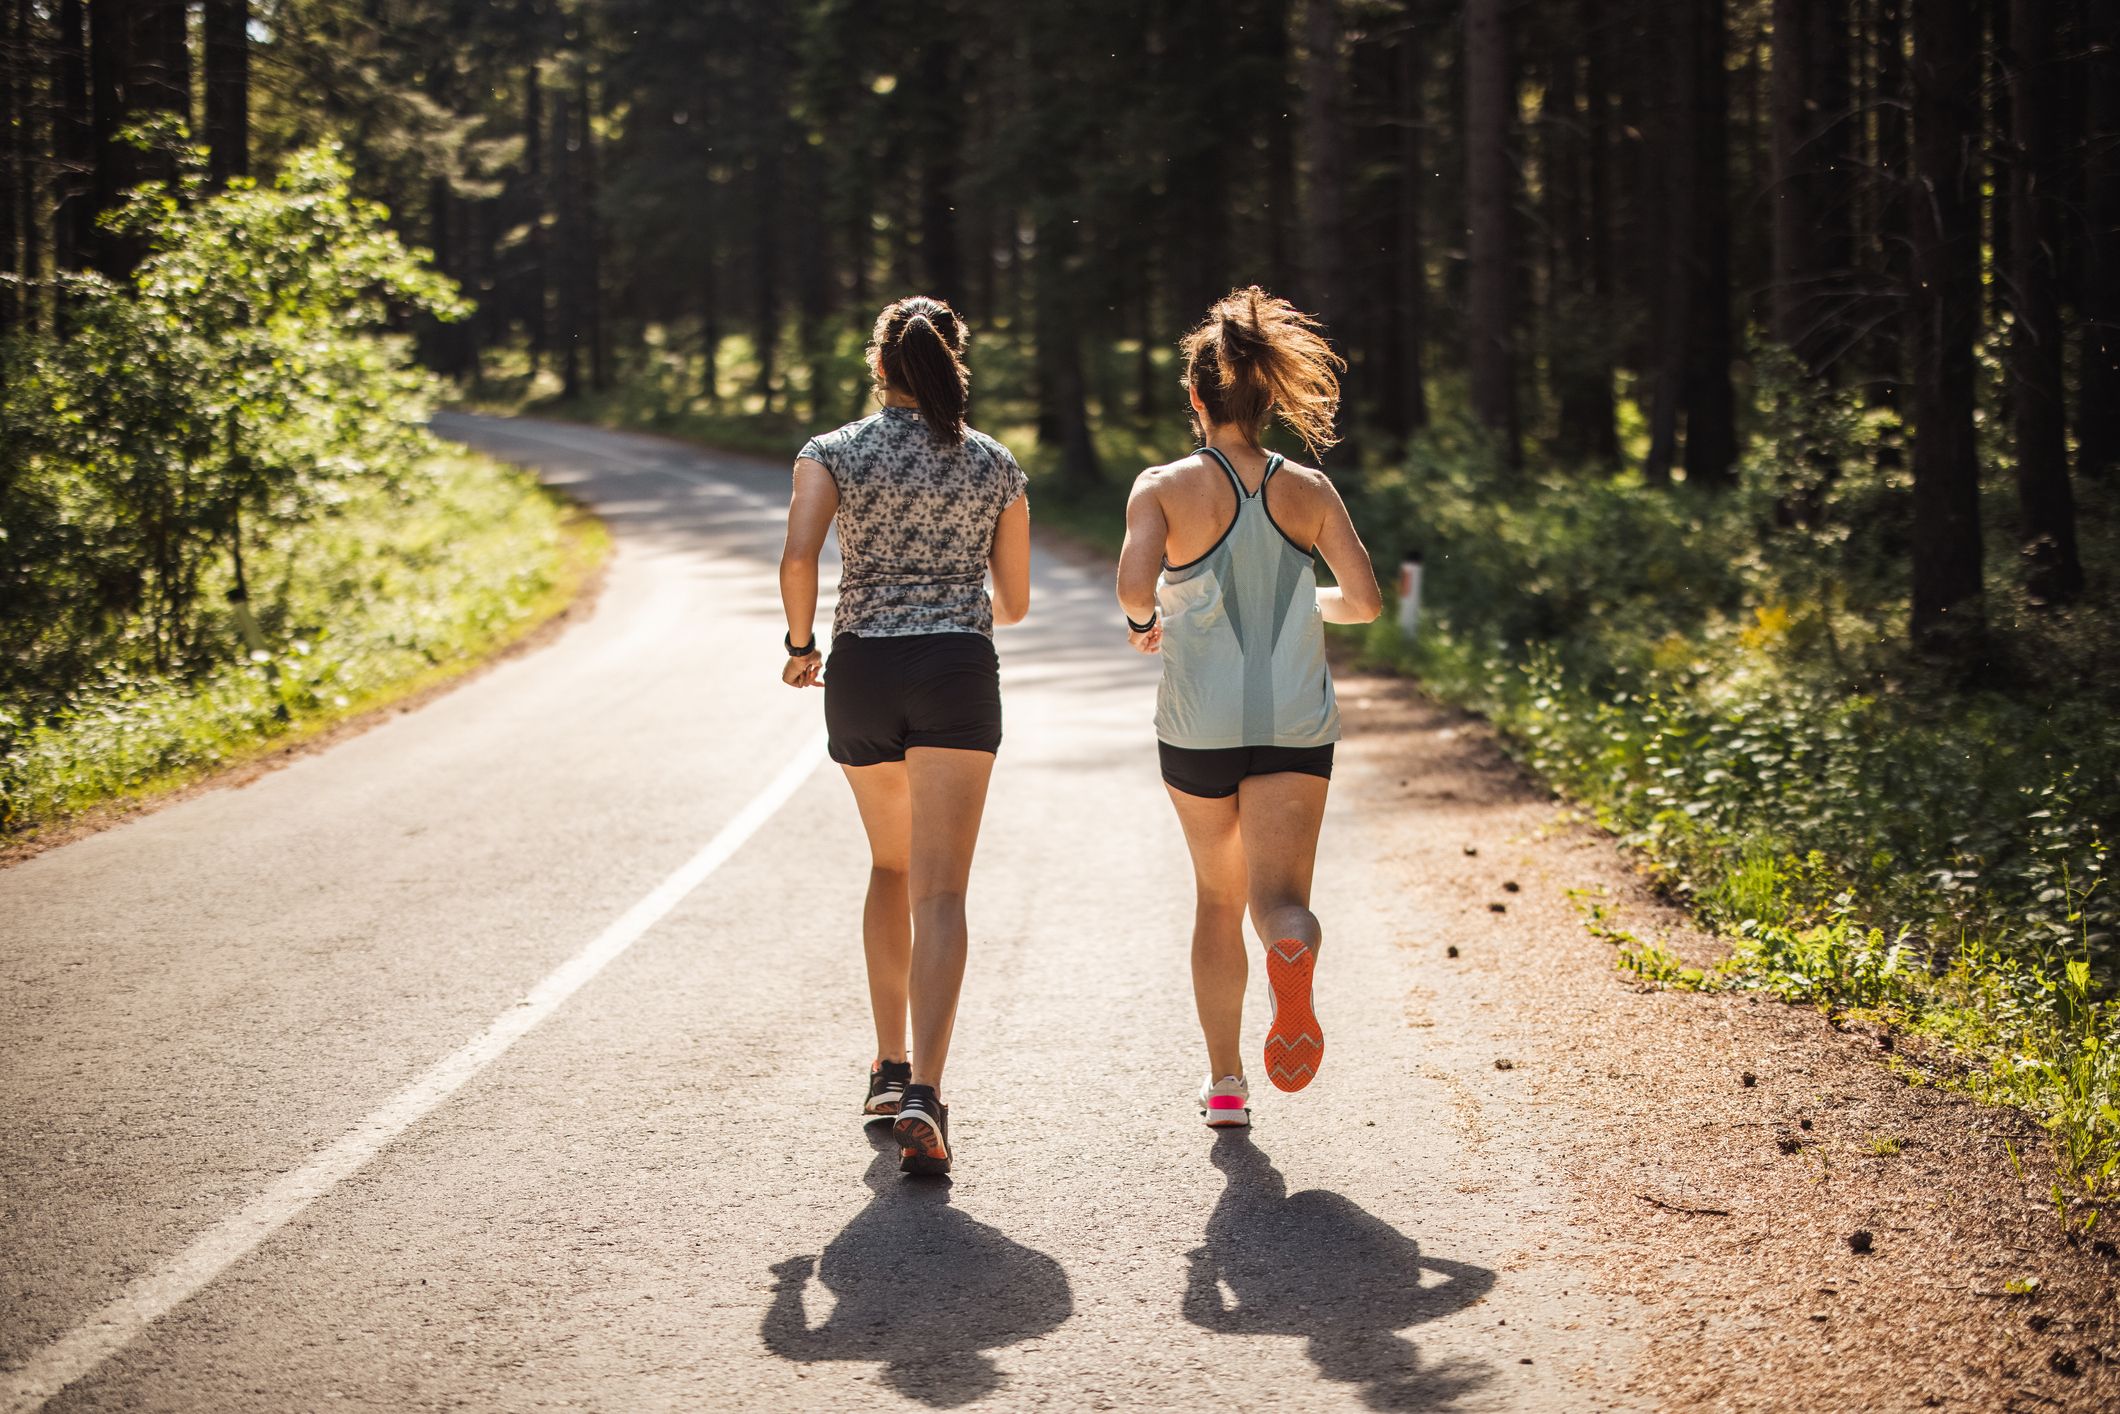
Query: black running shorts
pixel 1215 773
pixel 882 695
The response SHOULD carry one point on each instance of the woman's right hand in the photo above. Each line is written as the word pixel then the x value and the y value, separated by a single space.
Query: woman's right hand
pixel 803 671
pixel 1149 642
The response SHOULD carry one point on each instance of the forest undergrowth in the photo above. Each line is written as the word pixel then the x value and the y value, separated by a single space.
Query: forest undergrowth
pixel 225 527
pixel 1723 681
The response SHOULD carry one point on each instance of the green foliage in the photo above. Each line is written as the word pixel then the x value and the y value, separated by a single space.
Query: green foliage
pixel 403 584
pixel 1720 679
pixel 221 516
pixel 234 388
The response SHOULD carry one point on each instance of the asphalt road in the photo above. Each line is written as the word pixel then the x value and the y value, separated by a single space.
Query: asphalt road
pixel 508 1056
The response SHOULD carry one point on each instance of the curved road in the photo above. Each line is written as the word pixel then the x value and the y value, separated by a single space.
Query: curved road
pixel 506 1056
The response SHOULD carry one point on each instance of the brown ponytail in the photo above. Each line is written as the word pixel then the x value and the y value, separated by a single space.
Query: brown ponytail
pixel 1255 356
pixel 918 348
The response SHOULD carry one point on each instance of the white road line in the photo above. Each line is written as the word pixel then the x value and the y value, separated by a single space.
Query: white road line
pixel 155 1294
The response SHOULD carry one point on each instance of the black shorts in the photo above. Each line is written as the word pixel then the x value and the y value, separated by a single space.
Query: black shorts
pixel 882 695
pixel 1215 773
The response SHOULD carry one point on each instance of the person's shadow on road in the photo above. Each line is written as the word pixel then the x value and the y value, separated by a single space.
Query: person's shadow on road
pixel 919 1287
pixel 1314 1264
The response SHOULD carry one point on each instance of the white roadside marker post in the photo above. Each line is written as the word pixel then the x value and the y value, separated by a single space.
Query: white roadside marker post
pixel 1409 595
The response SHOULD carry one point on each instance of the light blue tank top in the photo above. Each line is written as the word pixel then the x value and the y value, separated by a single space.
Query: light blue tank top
pixel 1243 641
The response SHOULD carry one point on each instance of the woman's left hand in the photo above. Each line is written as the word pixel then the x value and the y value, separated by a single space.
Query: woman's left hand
pixel 804 671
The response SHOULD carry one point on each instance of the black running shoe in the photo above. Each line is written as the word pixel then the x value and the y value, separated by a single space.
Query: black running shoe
pixel 887 1082
pixel 922 1130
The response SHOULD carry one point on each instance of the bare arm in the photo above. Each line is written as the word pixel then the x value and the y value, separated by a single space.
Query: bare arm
pixel 1010 562
pixel 810 512
pixel 1355 599
pixel 1141 559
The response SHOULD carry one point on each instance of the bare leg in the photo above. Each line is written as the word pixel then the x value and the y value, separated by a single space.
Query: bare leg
pixel 1219 965
pixel 1279 818
pixel 948 792
pixel 882 795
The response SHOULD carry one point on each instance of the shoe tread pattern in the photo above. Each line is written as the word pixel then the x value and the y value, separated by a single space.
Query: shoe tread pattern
pixel 1295 1045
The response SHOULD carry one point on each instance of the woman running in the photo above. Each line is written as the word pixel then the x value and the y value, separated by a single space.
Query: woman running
pixel 927 508
pixel 1217 575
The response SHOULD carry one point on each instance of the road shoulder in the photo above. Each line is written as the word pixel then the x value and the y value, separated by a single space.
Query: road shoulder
pixel 1719 1153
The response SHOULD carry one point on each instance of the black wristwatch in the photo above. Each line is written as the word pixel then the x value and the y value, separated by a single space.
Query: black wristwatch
pixel 787 641
pixel 1141 628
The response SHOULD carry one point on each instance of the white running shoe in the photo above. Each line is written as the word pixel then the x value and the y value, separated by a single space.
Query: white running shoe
pixel 1225 1103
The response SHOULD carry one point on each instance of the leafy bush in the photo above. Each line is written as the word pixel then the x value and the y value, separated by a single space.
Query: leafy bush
pixel 1721 680
pixel 400 586
pixel 220 516
pixel 235 386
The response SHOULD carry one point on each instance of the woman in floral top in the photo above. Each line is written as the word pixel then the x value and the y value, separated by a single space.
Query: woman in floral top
pixel 927 509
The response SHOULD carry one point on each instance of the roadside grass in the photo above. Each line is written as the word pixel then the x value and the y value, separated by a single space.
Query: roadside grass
pixel 398 590
pixel 2000 965
pixel 1881 837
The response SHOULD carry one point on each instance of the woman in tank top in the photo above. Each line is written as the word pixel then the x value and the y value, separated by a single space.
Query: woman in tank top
pixel 927 510
pixel 1218 576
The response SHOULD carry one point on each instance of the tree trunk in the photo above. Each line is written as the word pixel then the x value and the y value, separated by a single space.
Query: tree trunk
pixel 1272 19
pixel 35 166
pixel 710 326
pixel 73 139
pixel 705 250
pixel 1490 103
pixel 1994 141
pixel 2053 572
pixel 2098 394
pixel 766 134
pixel 1197 57
pixel 1890 189
pixel 1947 610
pixel 227 45
pixel 1576 181
pixel 813 279
pixel 1063 409
pixel 112 28
pixel 160 82
pixel 590 253
pixel 567 236
pixel 1812 180
pixel 1597 425
pixel 1408 400
pixel 1793 100
pixel 1674 192
pixel 1711 406
pixel 14 164
pixel 1833 172
pixel 1325 169
pixel 765 274
pixel 537 264
pixel 941 142
pixel 1149 389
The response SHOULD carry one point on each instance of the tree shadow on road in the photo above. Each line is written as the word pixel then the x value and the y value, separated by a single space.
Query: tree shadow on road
pixel 919 1287
pixel 1316 1265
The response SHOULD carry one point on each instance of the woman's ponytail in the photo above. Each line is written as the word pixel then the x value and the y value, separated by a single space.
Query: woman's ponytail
pixel 1256 356
pixel 918 348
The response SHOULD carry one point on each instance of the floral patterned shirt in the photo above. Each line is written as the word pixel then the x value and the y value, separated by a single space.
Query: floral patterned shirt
pixel 916 524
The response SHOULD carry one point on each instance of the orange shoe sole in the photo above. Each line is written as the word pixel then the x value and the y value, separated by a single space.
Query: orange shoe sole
pixel 1295 1046
pixel 920 1146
